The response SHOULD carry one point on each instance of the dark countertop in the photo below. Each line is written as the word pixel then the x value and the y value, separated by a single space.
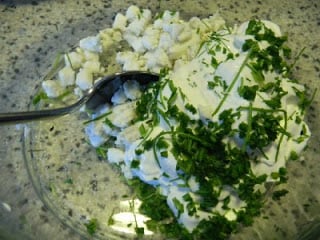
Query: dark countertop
pixel 33 32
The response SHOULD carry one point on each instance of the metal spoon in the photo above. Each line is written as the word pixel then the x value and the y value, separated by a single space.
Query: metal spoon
pixel 100 93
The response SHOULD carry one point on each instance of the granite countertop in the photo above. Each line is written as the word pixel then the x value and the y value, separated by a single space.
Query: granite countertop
pixel 33 32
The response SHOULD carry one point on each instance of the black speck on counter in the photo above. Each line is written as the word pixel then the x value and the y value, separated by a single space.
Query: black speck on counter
pixel 34 3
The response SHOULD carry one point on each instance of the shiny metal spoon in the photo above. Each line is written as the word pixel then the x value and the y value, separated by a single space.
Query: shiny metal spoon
pixel 100 93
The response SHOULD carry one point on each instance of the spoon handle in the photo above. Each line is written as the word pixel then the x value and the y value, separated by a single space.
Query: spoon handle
pixel 19 117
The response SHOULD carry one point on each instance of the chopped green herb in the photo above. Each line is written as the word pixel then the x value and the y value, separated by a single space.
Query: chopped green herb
pixel 97 118
pixel 264 129
pixel 275 175
pixel 254 27
pixel 139 231
pixel 101 152
pixel 212 85
pixel 103 149
pixel 276 195
pixel 226 202
pixel 235 79
pixel 178 205
pixel 248 92
pixel 298 120
pixel 110 219
pixel 191 206
pixel 293 156
pixel 190 108
pixel 109 123
pixel 69 60
pixel 92 226
pixel 217 81
pixel 304 101
pixel 164 154
pixel 283 175
pixel 135 163
pixel 214 62
pixel 256 72
pixel 40 96
pixel 68 181
pixel 142 130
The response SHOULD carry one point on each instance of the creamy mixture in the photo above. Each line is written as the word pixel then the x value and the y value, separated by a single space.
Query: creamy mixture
pixel 222 121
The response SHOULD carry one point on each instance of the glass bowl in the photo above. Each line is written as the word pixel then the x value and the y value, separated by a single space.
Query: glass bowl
pixel 82 189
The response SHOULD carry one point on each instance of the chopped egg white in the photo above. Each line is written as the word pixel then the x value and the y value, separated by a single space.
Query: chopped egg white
pixel 132 89
pixel 74 60
pixel 66 76
pixel 120 22
pixel 52 88
pixel 84 79
pixel 91 44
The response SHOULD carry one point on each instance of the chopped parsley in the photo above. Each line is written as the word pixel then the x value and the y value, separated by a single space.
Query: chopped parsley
pixel 178 205
pixel 248 92
pixel 68 181
pixel 39 97
pixel 92 226
pixel 264 129
pixel 135 163
pixel 304 101
pixel 293 155
pixel 276 195
pixel 271 58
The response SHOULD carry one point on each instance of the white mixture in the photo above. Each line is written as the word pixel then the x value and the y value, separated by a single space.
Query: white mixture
pixel 208 71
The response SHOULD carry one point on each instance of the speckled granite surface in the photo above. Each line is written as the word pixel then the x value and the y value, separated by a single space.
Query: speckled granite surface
pixel 33 32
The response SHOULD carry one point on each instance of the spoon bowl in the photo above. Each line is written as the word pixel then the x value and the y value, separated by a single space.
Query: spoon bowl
pixel 101 92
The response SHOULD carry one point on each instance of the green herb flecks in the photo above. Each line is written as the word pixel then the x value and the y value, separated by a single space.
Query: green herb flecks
pixel 216 226
pixel 57 64
pixel 271 58
pixel 179 206
pixel 42 96
pixel 69 61
pixel 135 163
pixel 102 150
pixel 215 43
pixel 68 181
pixel 39 97
pixel 248 92
pixel 92 226
pixel 191 205
pixel 98 118
pixel 264 128
pixel 276 195
pixel 304 101
pixel 275 102
pixel 293 156
pixel 139 230
pixel 217 82
pixel 235 79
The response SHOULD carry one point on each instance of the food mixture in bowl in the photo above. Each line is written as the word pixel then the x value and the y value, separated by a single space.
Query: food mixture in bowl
pixel 204 145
